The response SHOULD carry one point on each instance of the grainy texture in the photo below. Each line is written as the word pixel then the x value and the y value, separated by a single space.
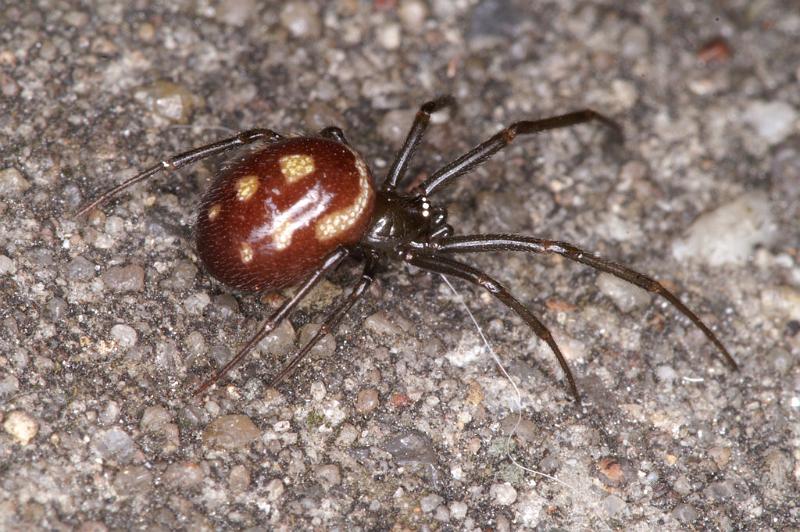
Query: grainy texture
pixel 107 321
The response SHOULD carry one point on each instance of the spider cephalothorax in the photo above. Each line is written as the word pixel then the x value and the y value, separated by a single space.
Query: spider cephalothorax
pixel 292 210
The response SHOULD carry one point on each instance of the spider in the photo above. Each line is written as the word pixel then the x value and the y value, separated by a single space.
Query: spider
pixel 294 208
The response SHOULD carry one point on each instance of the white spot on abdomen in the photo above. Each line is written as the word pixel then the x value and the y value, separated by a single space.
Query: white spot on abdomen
pixel 296 167
pixel 246 187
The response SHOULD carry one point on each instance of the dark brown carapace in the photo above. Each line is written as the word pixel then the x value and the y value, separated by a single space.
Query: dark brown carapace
pixel 289 212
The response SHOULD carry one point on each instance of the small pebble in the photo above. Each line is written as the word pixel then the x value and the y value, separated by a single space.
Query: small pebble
pixel 168 100
pixel 133 480
pixel 183 475
pixel 110 414
pixel 230 432
pixel 412 14
pixel 778 465
pixel 720 490
pixel 782 300
pixel 324 348
pixel 7 266
pixel 21 426
pixel 236 12
pixel 125 335
pixel 666 374
pixel 80 269
pixel 685 513
pixel 458 510
pixel 772 121
pixel 393 127
pixel 124 278
pixel 389 36
pixel 12 183
pixel 613 505
pixel 468 351
pixel 239 478
pixel 114 444
pixel 380 323
pixel 442 513
pixel 195 343
pixel 154 419
pixel 411 448
pixel 280 341
pixel 224 306
pixel 367 400
pixel 730 233
pixel 274 489
pixel 625 296
pixel 168 357
pixel 196 303
pixel 430 502
pixel 328 475
pixel 682 485
pixel 301 19
pixel 720 455
pixel 57 309
pixel 183 276
pixel 92 526
pixel 503 494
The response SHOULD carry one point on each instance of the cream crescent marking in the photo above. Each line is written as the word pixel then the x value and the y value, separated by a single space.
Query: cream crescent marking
pixel 337 222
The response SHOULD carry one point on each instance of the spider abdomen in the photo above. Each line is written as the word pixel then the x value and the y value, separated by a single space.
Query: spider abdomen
pixel 271 218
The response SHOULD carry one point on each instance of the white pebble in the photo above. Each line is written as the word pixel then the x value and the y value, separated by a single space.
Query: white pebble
pixel 772 121
pixel 197 302
pixel 503 494
pixel 21 426
pixel 412 14
pixel 430 502
pixel 467 352
pixel 625 295
pixel 458 510
pixel 12 183
pixel 7 265
pixel 301 19
pixel 730 233
pixel 389 36
pixel 124 335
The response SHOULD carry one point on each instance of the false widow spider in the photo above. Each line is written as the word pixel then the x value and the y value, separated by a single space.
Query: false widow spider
pixel 290 211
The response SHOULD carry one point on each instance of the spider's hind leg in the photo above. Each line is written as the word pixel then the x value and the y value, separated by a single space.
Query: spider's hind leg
pixel 184 159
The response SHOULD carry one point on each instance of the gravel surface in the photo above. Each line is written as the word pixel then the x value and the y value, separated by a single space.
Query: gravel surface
pixel 401 420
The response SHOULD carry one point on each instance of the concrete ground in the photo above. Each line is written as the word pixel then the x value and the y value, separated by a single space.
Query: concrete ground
pixel 401 419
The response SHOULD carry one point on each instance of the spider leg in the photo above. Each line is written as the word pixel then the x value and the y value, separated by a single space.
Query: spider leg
pixel 486 149
pixel 501 242
pixel 335 133
pixel 330 262
pixel 468 273
pixel 184 159
pixel 415 134
pixel 332 320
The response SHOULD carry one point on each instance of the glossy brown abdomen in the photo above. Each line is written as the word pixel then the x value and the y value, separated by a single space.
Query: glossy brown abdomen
pixel 271 218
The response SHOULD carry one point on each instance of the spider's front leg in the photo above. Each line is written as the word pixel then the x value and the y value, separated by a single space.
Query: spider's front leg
pixel 484 150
